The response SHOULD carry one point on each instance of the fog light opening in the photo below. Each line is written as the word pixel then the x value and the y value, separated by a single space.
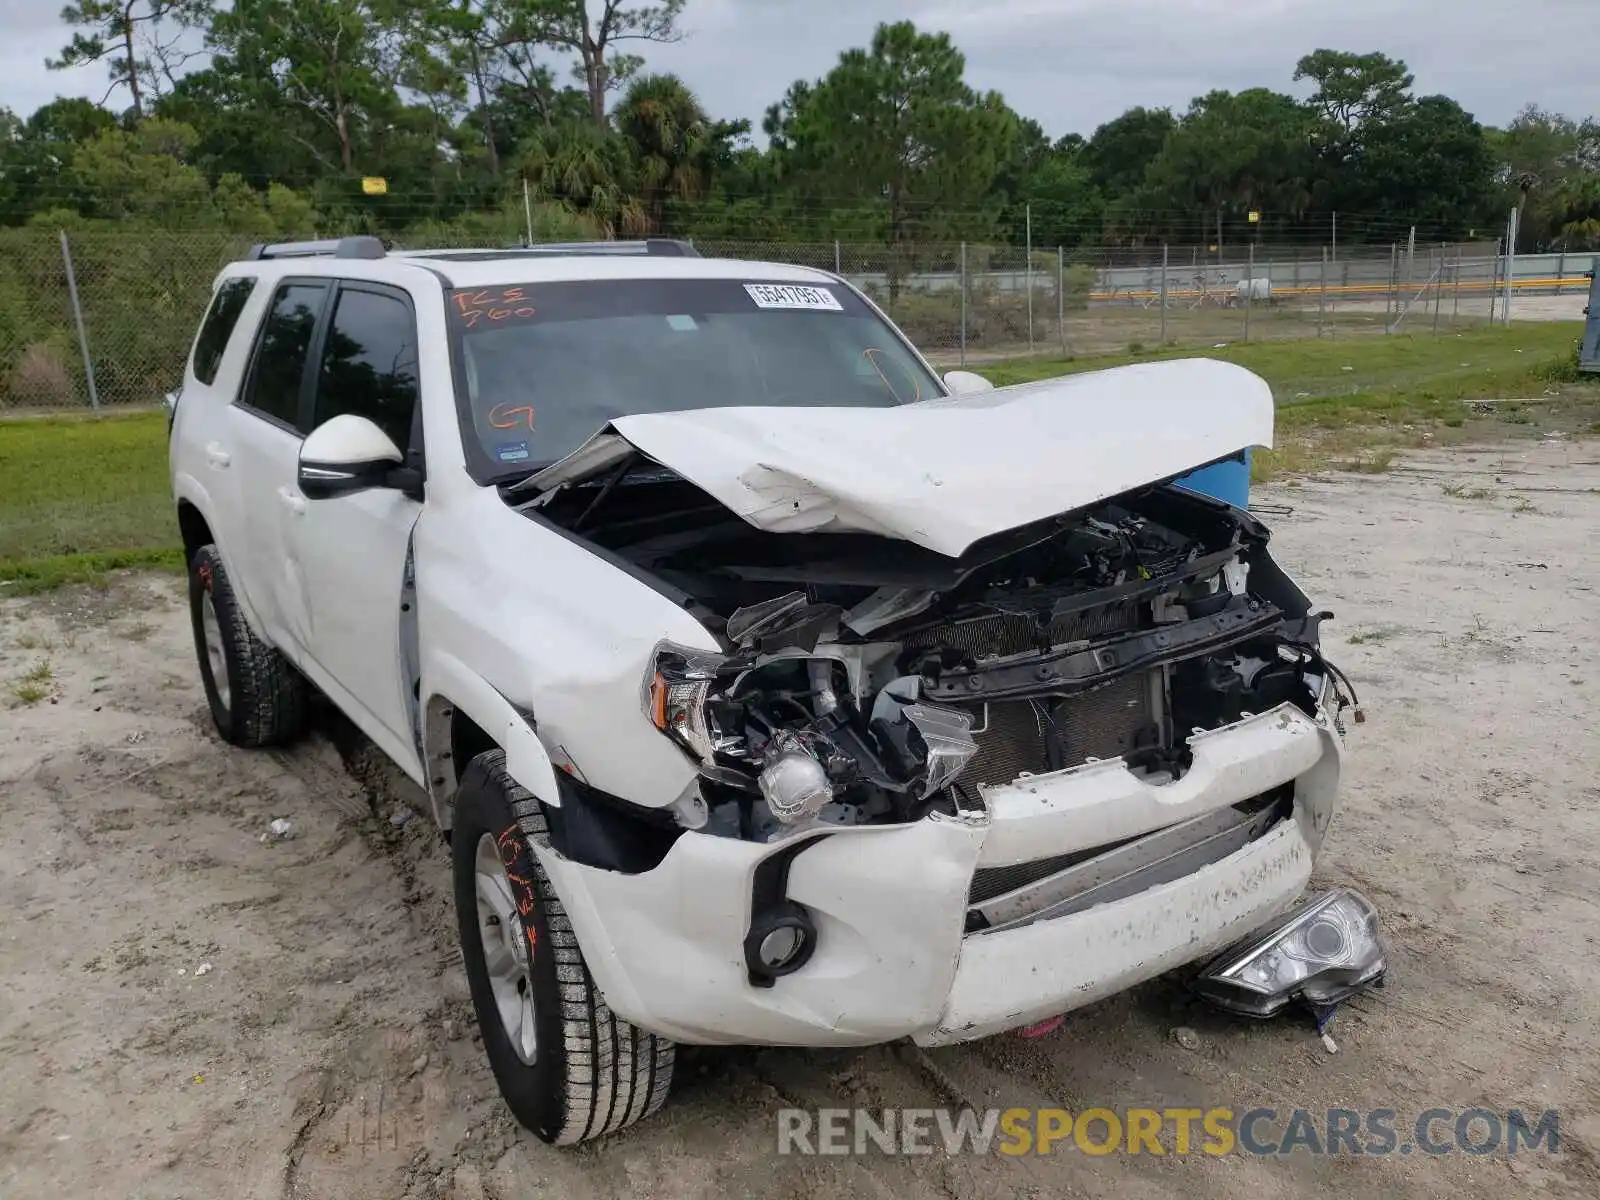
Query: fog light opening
pixel 781 941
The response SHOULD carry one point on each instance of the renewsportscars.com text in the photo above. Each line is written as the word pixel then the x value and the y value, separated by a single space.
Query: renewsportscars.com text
pixel 1377 1132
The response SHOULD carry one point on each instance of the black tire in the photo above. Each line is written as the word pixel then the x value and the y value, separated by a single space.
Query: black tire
pixel 265 701
pixel 591 1072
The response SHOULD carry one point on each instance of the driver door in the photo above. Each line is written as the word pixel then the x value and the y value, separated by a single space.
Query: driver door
pixel 352 550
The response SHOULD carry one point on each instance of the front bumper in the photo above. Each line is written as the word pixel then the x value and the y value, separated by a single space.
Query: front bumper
pixel 891 903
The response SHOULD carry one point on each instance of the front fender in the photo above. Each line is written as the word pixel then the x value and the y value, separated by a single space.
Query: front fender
pixel 451 685
pixel 186 489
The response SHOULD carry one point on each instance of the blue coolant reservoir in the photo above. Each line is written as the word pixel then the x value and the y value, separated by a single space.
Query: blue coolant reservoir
pixel 1228 480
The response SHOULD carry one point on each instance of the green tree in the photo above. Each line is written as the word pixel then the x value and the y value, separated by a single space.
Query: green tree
pixel 1049 183
pixel 1122 149
pixel 140 40
pixel 337 61
pixel 1431 167
pixel 589 169
pixel 1355 90
pixel 1233 152
pixel 1356 96
pixel 677 148
pixel 36 155
pixel 896 127
pixel 1549 166
pixel 569 26
pixel 142 175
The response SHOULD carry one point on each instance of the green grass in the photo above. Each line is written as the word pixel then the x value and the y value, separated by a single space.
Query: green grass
pixel 35 685
pixel 1472 364
pixel 80 496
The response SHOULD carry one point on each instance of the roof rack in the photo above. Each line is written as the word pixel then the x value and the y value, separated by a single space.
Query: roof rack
pixel 347 247
pixel 655 247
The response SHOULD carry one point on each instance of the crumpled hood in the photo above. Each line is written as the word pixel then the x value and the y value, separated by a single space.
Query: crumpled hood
pixel 947 472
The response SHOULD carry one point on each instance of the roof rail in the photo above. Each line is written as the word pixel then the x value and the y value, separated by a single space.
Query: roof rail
pixel 655 247
pixel 347 247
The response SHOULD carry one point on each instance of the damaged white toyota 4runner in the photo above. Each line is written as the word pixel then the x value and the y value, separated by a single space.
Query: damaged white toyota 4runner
pixel 769 690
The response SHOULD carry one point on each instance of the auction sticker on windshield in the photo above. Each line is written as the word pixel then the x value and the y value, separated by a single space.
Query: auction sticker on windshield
pixel 788 295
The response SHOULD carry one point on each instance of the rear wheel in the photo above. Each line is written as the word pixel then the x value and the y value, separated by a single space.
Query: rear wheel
pixel 257 698
pixel 568 1069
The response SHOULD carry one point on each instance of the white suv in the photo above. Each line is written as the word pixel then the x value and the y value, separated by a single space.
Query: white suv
pixel 769 688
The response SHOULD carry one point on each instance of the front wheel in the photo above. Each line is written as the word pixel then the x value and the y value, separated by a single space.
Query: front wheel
pixel 256 696
pixel 568 1069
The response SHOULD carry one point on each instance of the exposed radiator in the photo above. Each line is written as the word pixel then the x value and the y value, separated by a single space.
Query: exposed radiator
pixel 1104 723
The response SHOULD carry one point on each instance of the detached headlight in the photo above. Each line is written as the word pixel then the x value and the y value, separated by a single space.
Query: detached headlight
pixel 676 691
pixel 1323 952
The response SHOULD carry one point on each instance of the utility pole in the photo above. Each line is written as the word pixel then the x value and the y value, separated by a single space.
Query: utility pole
pixel 1511 262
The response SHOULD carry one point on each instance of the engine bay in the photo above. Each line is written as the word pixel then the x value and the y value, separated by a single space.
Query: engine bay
pixel 865 680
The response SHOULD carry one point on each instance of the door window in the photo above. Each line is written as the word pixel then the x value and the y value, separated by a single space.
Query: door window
pixel 369 365
pixel 278 375
pixel 226 308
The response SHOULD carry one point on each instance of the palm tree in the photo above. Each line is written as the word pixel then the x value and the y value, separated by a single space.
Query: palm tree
pixel 587 169
pixel 674 143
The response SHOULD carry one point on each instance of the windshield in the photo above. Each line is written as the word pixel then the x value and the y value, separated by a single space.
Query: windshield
pixel 542 367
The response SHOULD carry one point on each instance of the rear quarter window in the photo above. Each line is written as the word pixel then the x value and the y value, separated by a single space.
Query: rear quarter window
pixel 220 320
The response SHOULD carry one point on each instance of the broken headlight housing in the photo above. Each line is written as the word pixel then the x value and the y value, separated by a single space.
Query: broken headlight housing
pixel 1323 952
pixel 793 732
pixel 676 695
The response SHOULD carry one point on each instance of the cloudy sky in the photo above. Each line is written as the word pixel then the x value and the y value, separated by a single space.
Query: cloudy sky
pixel 1069 64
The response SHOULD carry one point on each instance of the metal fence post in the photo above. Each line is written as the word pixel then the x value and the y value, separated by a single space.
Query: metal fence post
pixel 1511 260
pixel 1061 297
pixel 1163 294
pixel 1249 287
pixel 963 304
pixel 838 260
pixel 1394 283
pixel 1030 278
pixel 1455 291
pixel 77 316
pixel 1438 289
pixel 1322 292
pixel 1494 284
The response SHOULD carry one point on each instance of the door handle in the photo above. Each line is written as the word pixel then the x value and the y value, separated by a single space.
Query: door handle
pixel 295 504
pixel 217 456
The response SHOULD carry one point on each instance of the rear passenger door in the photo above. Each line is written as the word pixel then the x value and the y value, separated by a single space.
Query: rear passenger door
pixel 352 550
pixel 269 423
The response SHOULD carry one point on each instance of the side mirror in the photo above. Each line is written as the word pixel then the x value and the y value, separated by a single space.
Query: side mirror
pixel 350 454
pixel 965 383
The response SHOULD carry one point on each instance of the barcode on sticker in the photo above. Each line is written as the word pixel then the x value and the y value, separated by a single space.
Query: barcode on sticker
pixel 788 295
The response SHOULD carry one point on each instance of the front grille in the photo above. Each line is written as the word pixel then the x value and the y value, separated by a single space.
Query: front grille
pixel 1104 723
pixel 1259 813
pixel 989 882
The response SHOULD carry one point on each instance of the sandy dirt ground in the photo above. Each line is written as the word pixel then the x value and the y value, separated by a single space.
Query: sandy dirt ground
pixel 328 1049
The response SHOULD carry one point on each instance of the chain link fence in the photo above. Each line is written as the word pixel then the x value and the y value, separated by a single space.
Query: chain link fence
pixel 139 296
pixel 105 319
